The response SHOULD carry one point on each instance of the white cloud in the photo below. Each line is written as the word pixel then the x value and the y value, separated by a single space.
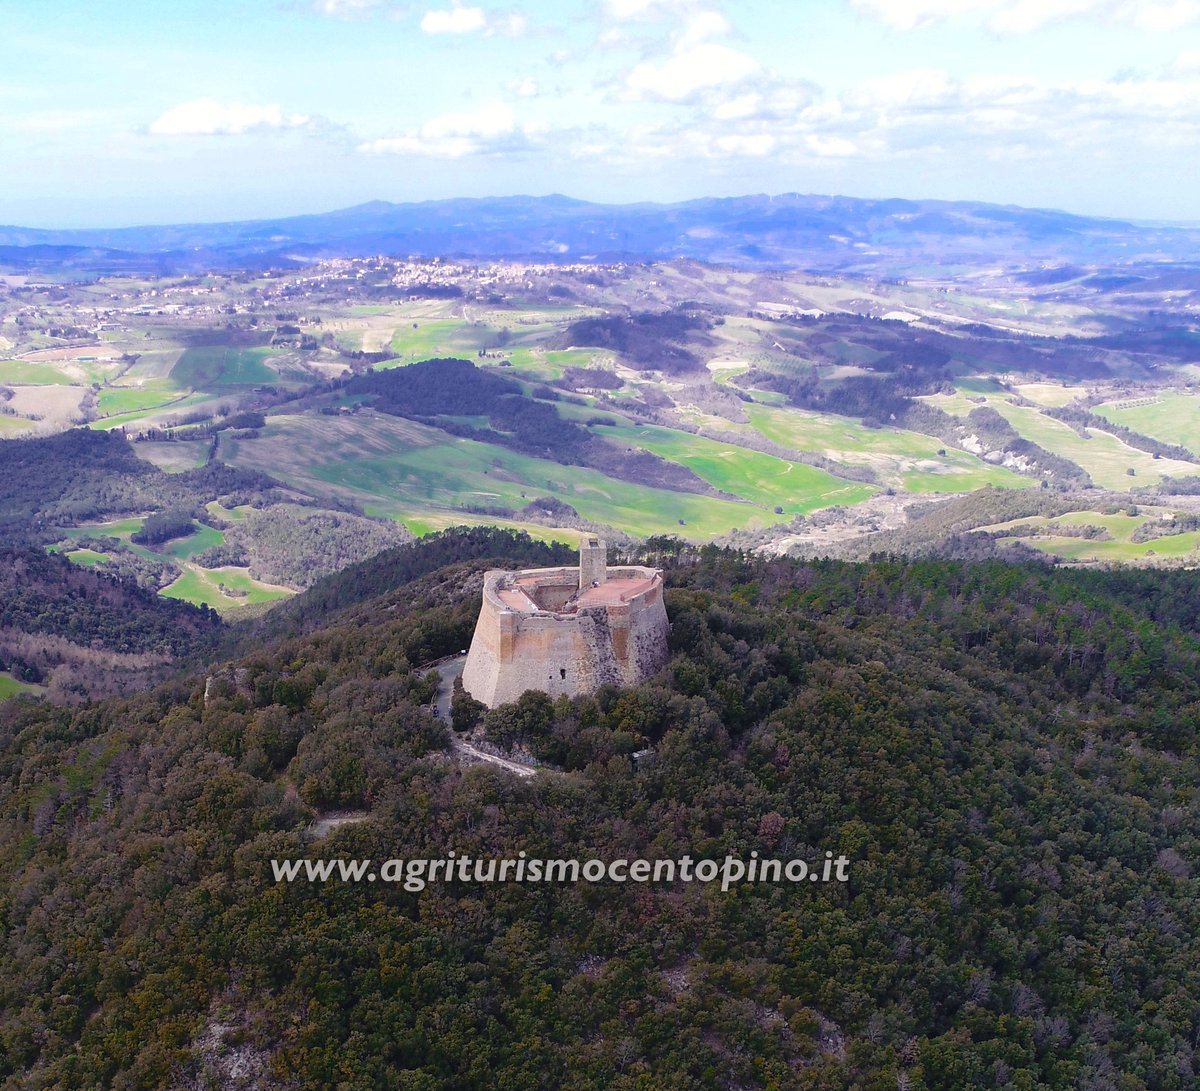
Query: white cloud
pixel 461 20
pixel 919 85
pixel 1024 16
pixel 513 25
pixel 830 147
pixel 457 135
pixel 1187 63
pixel 455 20
pixel 752 145
pixel 923 114
pixel 910 14
pixel 207 117
pixel 646 9
pixel 684 73
pixel 523 88
pixel 997 117
pixel 341 9
pixel 1158 14
pixel 702 25
pixel 738 107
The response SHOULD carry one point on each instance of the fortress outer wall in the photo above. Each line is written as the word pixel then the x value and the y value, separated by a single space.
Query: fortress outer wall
pixel 567 649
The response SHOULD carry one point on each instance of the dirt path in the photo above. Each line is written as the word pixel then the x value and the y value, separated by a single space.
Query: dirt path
pixel 471 753
pixel 450 671
pixel 330 822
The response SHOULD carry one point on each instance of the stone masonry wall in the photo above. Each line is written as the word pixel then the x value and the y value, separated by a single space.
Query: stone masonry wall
pixel 564 654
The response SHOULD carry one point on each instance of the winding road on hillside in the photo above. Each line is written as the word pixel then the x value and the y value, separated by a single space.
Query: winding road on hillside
pixel 450 670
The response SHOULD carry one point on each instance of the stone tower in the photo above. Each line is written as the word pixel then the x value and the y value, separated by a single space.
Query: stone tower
pixel 567 630
pixel 593 562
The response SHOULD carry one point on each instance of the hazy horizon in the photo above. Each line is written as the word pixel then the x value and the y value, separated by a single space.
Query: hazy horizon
pixel 314 212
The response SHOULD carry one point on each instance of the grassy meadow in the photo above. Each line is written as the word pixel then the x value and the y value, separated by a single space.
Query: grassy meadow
pixel 1172 418
pixel 13 687
pixel 902 459
pixel 1118 548
pixel 224 589
pixel 408 470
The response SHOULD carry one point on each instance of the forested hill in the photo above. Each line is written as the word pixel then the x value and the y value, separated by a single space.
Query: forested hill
pixel 393 569
pixel 92 634
pixel 1007 755
pixel 87 475
pixel 756 231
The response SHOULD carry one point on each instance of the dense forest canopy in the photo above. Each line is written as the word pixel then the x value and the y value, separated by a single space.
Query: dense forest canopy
pixel 1007 755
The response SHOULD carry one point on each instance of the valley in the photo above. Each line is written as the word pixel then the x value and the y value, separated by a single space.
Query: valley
pixel 669 399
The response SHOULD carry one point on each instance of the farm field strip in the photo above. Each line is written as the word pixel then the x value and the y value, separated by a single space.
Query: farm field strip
pixel 430 522
pixel 754 476
pixel 1118 548
pixel 1103 456
pixel 35 374
pixel 206 366
pixel 1172 418
pixel 16 426
pixel 405 469
pixel 176 456
pixel 903 459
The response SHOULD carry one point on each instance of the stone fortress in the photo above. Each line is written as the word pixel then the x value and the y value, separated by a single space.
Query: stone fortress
pixel 567 631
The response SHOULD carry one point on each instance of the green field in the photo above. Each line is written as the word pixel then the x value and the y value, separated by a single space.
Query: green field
pixel 1118 549
pixel 194 584
pixel 183 549
pixel 210 366
pixel 408 470
pixel 1172 418
pixel 118 528
pixel 152 364
pixel 204 587
pixel 907 460
pixel 760 478
pixel 136 416
pixel 151 394
pixel 33 374
pixel 958 404
pixel 432 522
pixel 214 508
pixel 421 338
pixel 1104 457
pixel 89 558
pixel 11 687
pixel 15 426
pixel 549 364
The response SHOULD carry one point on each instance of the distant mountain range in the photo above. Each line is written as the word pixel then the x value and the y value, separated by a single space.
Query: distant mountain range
pixel 798 231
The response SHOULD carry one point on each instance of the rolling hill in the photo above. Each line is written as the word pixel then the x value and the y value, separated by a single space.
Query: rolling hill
pixel 820 233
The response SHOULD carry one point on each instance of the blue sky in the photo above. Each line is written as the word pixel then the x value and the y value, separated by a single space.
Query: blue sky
pixel 139 111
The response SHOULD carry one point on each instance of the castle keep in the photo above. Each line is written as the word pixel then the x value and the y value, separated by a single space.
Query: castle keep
pixel 567 630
